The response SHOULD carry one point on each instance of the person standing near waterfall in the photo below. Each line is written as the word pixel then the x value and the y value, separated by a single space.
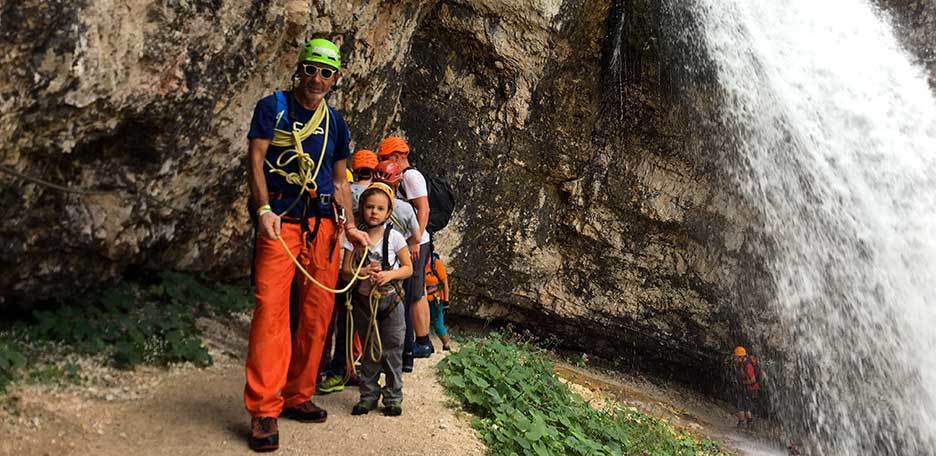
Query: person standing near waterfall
pixel 306 208
pixel 748 386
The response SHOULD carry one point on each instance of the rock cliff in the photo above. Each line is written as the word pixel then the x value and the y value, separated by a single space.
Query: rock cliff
pixel 581 138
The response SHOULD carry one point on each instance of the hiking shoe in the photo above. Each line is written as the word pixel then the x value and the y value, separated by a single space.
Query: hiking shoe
pixel 407 362
pixel 392 410
pixel 363 407
pixel 353 381
pixel 446 347
pixel 331 384
pixel 422 351
pixel 306 412
pixel 264 434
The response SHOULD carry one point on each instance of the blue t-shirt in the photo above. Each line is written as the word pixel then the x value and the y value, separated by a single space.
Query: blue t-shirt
pixel 337 148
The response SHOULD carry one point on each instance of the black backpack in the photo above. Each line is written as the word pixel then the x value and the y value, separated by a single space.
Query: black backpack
pixel 441 200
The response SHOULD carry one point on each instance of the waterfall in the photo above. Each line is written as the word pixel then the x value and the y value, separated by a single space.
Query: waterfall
pixel 837 134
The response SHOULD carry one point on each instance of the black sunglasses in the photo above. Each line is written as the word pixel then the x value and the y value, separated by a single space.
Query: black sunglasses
pixel 310 70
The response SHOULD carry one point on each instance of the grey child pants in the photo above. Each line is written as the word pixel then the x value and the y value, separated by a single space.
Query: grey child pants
pixel 391 363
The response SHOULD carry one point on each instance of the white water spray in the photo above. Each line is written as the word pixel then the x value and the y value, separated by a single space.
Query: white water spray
pixel 837 131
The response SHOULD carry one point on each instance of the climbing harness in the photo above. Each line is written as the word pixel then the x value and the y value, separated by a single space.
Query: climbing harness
pixel 375 349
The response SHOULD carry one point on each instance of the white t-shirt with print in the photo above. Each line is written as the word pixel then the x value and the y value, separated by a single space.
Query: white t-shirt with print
pixel 375 253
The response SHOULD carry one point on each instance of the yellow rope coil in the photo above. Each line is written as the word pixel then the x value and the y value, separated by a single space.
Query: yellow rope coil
pixel 283 138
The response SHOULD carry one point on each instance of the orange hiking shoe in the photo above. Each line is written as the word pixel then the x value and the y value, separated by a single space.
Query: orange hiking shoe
pixel 264 434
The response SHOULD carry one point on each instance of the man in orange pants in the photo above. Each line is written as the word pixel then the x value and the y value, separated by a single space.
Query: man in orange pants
pixel 297 161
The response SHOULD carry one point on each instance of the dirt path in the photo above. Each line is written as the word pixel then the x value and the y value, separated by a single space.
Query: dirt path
pixel 679 405
pixel 188 411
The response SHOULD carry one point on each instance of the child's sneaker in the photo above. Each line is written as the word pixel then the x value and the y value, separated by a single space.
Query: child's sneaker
pixel 445 347
pixel 331 384
pixel 363 407
pixel 422 351
pixel 392 410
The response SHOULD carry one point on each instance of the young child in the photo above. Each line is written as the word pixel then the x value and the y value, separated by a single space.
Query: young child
pixel 389 263
pixel 437 288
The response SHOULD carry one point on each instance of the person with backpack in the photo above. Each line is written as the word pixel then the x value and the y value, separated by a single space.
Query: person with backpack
pixel 437 289
pixel 748 386
pixel 405 221
pixel 413 189
pixel 378 303
pixel 302 211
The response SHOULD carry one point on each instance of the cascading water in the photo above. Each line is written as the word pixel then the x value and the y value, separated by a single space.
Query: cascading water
pixel 837 136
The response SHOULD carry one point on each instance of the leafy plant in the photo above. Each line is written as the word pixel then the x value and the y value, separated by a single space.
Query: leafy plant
pixel 523 408
pixel 68 373
pixel 136 324
pixel 11 361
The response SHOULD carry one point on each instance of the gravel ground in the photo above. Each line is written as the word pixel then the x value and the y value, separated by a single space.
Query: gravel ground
pixel 188 411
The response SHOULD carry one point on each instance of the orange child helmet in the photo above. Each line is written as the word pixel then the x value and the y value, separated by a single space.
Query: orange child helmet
pixel 740 351
pixel 391 145
pixel 388 173
pixel 364 159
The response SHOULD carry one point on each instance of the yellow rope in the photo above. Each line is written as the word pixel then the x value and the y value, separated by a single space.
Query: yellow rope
pixel 372 328
pixel 321 285
pixel 283 138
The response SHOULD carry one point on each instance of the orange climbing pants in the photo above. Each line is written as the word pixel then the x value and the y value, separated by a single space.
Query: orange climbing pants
pixel 282 370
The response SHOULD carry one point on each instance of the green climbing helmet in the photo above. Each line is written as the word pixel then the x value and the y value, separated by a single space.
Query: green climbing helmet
pixel 320 50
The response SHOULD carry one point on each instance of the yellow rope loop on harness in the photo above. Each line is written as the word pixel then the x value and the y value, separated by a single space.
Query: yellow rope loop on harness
pixel 357 271
pixel 376 348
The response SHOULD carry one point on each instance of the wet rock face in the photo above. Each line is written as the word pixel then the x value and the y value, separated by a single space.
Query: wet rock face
pixel 591 216
pixel 915 23
pixel 590 206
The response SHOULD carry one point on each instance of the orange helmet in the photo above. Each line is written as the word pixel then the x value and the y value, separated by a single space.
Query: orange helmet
pixel 388 173
pixel 391 145
pixel 740 351
pixel 364 159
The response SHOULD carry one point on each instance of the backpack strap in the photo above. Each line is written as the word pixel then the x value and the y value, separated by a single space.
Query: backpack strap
pixel 282 109
pixel 385 261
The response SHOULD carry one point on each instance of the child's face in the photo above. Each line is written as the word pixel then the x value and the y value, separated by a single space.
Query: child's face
pixel 376 209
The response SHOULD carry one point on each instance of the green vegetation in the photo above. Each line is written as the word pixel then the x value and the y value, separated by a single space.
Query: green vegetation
pixel 524 409
pixel 129 324
pixel 11 360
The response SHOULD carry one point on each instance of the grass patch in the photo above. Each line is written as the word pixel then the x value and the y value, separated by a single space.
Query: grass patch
pixel 129 324
pixel 523 408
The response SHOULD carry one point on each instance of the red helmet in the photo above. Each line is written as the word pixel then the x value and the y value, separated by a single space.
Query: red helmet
pixel 388 173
